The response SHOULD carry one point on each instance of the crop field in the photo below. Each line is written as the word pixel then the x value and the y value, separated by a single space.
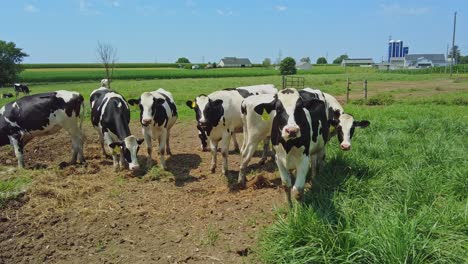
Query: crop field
pixel 399 196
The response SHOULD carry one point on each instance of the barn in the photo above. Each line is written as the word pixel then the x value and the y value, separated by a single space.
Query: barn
pixel 233 62
pixel 304 65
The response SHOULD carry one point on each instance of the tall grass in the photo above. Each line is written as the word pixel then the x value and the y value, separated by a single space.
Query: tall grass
pixel 400 196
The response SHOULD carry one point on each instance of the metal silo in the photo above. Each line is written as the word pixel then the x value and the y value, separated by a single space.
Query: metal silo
pixel 397 49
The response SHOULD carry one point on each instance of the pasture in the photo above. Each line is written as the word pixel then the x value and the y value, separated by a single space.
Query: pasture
pixel 400 195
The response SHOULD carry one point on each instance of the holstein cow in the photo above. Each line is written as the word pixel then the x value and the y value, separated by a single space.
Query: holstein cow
pixel 110 115
pixel 256 127
pixel 40 115
pixel 21 88
pixel 218 114
pixel 158 113
pixel 299 132
pixel 7 95
pixel 105 83
pixel 244 91
pixel 343 123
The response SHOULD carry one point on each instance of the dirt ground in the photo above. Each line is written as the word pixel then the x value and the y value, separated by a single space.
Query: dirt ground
pixel 92 214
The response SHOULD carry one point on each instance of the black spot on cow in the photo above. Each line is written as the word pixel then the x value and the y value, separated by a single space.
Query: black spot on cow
pixel 268 107
pixel 243 109
pixel 244 93
pixel 160 115
pixel 171 104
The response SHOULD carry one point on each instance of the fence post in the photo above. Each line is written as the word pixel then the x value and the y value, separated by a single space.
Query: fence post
pixel 347 89
pixel 283 81
pixel 365 90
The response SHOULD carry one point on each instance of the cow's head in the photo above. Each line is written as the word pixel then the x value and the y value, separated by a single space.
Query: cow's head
pixel 344 126
pixel 129 149
pixel 208 112
pixel 148 105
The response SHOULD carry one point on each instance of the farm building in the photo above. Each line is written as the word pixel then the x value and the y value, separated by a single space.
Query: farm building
pixel 234 62
pixel 366 62
pixel 424 60
pixel 304 66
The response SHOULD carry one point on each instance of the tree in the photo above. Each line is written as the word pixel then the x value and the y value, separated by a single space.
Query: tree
pixel 463 60
pixel 456 52
pixel 10 59
pixel 182 60
pixel 340 59
pixel 288 66
pixel 305 59
pixel 107 55
pixel 322 60
pixel 266 62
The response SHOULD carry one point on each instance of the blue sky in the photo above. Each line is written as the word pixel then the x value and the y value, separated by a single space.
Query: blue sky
pixel 162 31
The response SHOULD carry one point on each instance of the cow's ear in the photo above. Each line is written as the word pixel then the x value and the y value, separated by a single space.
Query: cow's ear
pixel 333 122
pixel 134 101
pixel 139 141
pixel 336 114
pixel 114 145
pixel 361 124
pixel 159 101
pixel 191 104
pixel 217 102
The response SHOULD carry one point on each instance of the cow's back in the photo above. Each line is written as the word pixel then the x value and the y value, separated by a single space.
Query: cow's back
pixel 232 102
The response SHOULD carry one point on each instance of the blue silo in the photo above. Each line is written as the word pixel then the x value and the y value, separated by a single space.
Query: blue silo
pixel 405 51
pixel 397 49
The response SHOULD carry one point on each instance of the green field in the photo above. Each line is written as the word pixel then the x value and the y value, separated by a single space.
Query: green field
pixel 400 196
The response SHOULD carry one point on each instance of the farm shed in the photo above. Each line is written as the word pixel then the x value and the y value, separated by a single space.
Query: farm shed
pixel 366 62
pixel 424 60
pixel 303 66
pixel 234 62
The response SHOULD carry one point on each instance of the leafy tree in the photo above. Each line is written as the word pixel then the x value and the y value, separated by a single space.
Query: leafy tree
pixel 266 62
pixel 288 66
pixel 305 59
pixel 322 60
pixel 456 52
pixel 214 65
pixel 182 60
pixel 10 59
pixel 463 60
pixel 340 59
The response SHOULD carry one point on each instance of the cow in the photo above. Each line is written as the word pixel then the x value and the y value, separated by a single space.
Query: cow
pixel 244 91
pixel 218 114
pixel 105 83
pixel 7 95
pixel 256 127
pixel 158 113
pixel 43 114
pixel 299 133
pixel 110 116
pixel 21 88
pixel 343 124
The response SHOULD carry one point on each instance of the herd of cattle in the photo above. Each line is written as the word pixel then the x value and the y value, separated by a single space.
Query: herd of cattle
pixel 298 123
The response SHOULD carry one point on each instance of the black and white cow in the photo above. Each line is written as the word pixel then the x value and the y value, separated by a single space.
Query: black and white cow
pixel 105 83
pixel 298 135
pixel 244 91
pixel 21 88
pixel 343 124
pixel 110 115
pixel 256 127
pixel 7 95
pixel 218 114
pixel 40 115
pixel 158 113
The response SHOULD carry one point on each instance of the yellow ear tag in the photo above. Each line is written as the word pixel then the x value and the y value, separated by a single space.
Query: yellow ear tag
pixel 116 150
pixel 194 104
pixel 265 115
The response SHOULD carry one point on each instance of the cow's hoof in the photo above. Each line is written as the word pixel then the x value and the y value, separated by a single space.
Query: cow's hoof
pixel 298 195
pixel 213 170
pixel 168 152
pixel 262 161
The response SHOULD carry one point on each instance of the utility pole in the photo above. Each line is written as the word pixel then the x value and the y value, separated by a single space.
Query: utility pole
pixel 446 56
pixel 453 43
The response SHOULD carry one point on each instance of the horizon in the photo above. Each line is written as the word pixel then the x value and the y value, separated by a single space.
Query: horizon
pixel 206 31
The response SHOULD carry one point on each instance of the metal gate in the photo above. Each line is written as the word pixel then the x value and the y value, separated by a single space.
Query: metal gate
pixel 292 82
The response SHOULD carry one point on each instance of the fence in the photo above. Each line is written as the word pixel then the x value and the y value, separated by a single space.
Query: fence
pixel 292 82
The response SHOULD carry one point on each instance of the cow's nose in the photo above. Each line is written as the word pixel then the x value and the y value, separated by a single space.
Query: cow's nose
pixel 203 124
pixel 345 146
pixel 145 122
pixel 292 132
pixel 134 167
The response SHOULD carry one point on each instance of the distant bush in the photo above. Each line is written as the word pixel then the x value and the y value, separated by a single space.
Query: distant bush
pixel 380 99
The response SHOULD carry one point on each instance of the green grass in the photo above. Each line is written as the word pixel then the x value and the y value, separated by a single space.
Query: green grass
pixel 12 186
pixel 400 196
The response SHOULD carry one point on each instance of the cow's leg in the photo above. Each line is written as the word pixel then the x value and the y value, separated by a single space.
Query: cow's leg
pixel 18 146
pixel 77 141
pixel 285 179
pixel 266 149
pixel 225 150
pixel 168 147
pixel 162 148
pixel 101 141
pixel 147 133
pixel 301 174
pixel 108 140
pixel 246 135
pixel 203 138
pixel 236 145
pixel 214 152
pixel 246 155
